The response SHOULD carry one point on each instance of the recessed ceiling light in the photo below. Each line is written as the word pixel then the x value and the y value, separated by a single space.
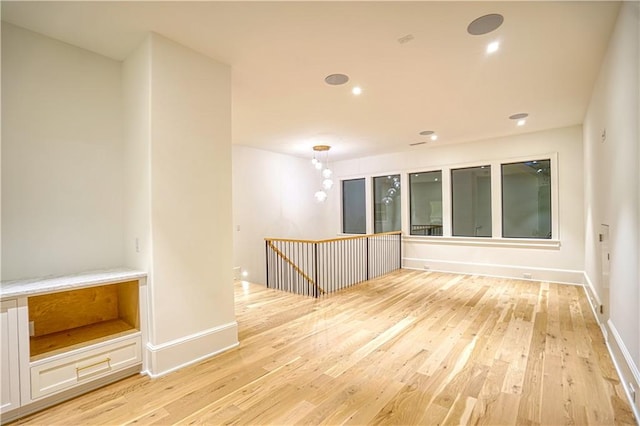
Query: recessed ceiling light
pixel 493 47
pixel 356 90
pixel 427 132
pixel 485 24
pixel 434 137
pixel 522 122
pixel 518 116
pixel 336 79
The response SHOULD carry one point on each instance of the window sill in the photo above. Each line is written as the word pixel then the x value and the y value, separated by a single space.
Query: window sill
pixel 526 243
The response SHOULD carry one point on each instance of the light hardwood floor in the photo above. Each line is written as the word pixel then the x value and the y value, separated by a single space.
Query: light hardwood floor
pixel 408 348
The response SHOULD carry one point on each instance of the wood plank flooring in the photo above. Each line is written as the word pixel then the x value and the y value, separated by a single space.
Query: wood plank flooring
pixel 408 348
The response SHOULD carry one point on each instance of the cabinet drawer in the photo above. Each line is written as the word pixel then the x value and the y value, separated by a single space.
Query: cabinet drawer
pixel 84 365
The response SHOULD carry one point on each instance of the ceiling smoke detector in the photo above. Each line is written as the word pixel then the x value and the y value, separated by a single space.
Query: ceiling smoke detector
pixel 485 24
pixel 336 79
pixel 427 132
pixel 406 39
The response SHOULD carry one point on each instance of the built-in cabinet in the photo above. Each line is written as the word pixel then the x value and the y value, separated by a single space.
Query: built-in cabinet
pixel 66 335
pixel 10 392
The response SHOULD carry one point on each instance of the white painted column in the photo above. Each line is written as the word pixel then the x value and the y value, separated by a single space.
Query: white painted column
pixel 178 134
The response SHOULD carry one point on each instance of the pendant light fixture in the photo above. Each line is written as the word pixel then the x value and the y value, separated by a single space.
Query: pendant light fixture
pixel 320 161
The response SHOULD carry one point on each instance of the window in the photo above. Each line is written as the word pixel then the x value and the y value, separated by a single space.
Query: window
pixel 353 207
pixel 471 201
pixel 526 199
pixel 425 191
pixel 386 199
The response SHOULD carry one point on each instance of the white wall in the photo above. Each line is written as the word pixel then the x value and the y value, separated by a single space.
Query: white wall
pixel 138 253
pixel 179 127
pixel 273 197
pixel 612 186
pixel 558 260
pixel 136 85
pixel 62 157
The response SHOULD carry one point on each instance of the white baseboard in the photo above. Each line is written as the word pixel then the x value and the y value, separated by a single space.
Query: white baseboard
pixel 176 354
pixel 563 276
pixel 620 355
pixel 589 286
pixel 627 370
pixel 595 303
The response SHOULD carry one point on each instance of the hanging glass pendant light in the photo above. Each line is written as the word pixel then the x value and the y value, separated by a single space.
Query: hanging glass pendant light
pixel 327 182
pixel 320 196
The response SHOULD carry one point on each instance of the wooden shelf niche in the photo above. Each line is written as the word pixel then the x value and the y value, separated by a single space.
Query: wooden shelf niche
pixel 75 318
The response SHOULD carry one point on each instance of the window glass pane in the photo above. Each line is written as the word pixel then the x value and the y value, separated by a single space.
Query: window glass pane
pixel 353 207
pixel 425 190
pixel 386 199
pixel 471 199
pixel 526 199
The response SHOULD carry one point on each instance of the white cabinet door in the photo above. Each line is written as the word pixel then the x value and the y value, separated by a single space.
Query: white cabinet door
pixel 10 391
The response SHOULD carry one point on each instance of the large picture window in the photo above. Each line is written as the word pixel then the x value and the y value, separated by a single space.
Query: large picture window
pixel 386 200
pixel 471 201
pixel 526 199
pixel 354 207
pixel 425 192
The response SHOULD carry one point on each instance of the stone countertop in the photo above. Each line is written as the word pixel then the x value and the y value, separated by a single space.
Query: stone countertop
pixel 51 284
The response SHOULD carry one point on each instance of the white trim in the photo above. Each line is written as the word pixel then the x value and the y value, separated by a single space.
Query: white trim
pixel 170 356
pixel 561 276
pixel 629 363
pixel 595 302
pixel 191 337
pixel 617 341
pixel 589 284
pixel 188 363
pixel 625 351
pixel 525 243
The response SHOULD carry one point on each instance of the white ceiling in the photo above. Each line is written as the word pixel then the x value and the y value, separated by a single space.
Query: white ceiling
pixel 442 80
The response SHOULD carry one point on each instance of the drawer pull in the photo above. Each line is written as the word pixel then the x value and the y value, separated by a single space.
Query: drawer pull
pixel 107 360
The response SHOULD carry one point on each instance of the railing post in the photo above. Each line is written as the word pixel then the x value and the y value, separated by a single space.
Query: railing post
pixel 367 257
pixel 266 248
pixel 315 269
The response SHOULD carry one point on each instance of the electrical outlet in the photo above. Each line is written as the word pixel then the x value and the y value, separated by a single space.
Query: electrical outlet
pixel 601 309
pixel 137 245
pixel 632 391
pixel 427 267
pixel 527 275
